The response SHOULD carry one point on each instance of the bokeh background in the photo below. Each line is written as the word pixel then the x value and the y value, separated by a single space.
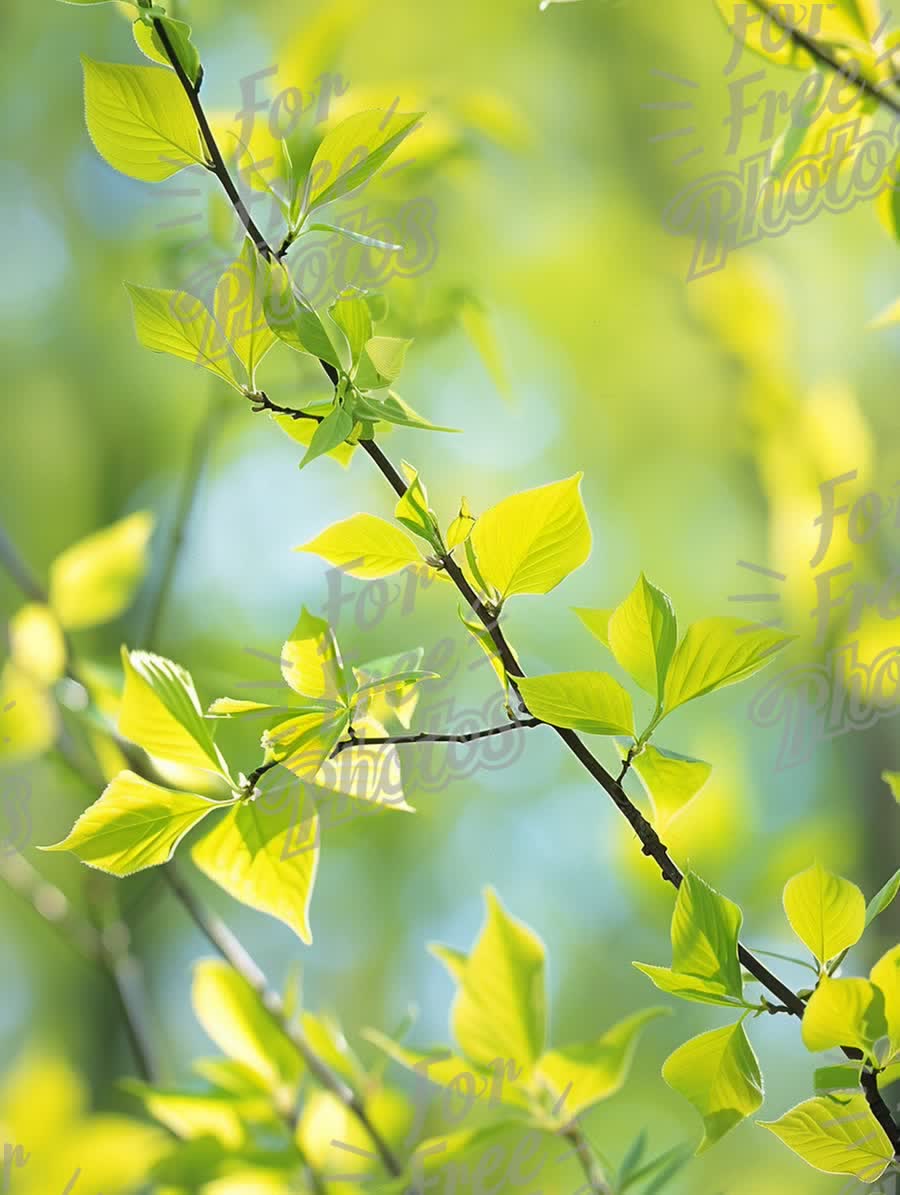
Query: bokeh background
pixel 555 326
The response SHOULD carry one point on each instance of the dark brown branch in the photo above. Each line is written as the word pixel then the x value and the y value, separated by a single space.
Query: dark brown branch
pixel 403 740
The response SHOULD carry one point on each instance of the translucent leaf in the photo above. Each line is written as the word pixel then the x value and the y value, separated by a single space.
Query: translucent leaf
pixel 836 1135
pixel 303 743
pixel 192 1115
pixel 230 707
pixel 176 323
pixel 642 636
pixel 500 1006
pixel 593 702
pixel 366 547
pixel 597 622
pixel 351 313
pixel 593 1071
pixel 140 120
pixel 381 362
pixel 133 825
pixel 330 434
pixel 716 652
pixel 161 712
pixel 266 858
pixel 391 408
pixel 532 541
pixel 671 780
pixel 150 44
pixel 826 912
pixel 459 529
pixel 718 1073
pixel 365 773
pixel 886 977
pixel 690 987
pixel 352 152
pixel 296 322
pixel 28 717
pixel 238 308
pixel 95 580
pixel 413 510
pixel 303 430
pixel 233 1016
pixel 843 1012
pixel 36 643
pixel 311 661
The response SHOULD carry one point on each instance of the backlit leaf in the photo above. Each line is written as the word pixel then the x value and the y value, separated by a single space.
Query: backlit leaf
pixel 597 622
pixel 886 977
pixel 826 912
pixel 174 322
pixel 844 1012
pixel 95 580
pixel 352 152
pixel 642 634
pixel 716 652
pixel 837 1135
pixel 366 547
pixel 718 1073
pixel 671 780
pixel 238 309
pixel 593 702
pixel 883 899
pixel 151 44
pixel 311 661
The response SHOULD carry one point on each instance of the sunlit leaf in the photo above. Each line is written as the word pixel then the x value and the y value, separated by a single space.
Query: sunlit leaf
pixel 303 430
pixel 329 434
pixel 296 322
pixel 844 1012
pixel 133 825
pixel 238 309
pixel 886 977
pixel 532 541
pixel 36 643
pixel 671 780
pixel 311 661
pixel 593 702
pixel 366 547
pixel 191 1114
pixel 837 1135
pixel 95 580
pixel 597 622
pixel 718 1073
pixel 382 362
pixel 140 120
pixel 352 152
pixel 642 633
pixel 826 912
pixel 716 652
pixel 174 322
pixel 151 44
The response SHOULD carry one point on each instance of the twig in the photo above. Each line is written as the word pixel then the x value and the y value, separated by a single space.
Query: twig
pixel 596 1178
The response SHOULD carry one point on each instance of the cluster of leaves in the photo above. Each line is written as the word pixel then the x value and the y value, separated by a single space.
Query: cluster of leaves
pixel 718 1071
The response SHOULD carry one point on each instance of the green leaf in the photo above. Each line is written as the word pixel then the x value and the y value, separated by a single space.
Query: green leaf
pixel 95 580
pixel 161 712
pixel 392 409
pixel 150 43
pixel 837 1078
pixel 532 541
pixel 844 1012
pixel 892 779
pixel 886 977
pixel 597 622
pixel 133 825
pixel 836 1135
pixel 414 512
pixel 174 322
pixel 140 120
pixel 296 322
pixel 459 529
pixel 191 1115
pixel 338 169
pixel 330 433
pixel 883 899
pixel 352 235
pixel 826 912
pixel 234 1018
pixel 716 652
pixel 500 1005
pixel 670 780
pixel 705 930
pixel 311 661
pixel 382 362
pixel 238 308
pixel 718 1073
pixel 303 743
pixel 593 702
pixel 593 1071
pixel 267 858
pixel 351 313
pixel 366 547
pixel 642 636
pixel 301 431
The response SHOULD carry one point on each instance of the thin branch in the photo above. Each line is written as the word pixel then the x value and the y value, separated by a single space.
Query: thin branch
pixel 201 446
pixel 403 740
pixel 595 1177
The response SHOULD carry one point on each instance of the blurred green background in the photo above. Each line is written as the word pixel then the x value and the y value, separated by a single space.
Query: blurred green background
pixel 703 414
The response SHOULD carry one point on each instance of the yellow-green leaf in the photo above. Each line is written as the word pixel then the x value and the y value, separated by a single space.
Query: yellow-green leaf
pixel 161 712
pixel 883 898
pixel 671 780
pixel 716 652
pixel 718 1073
pixel 174 322
pixel 36 643
pixel 311 660
pixel 530 542
pixel 593 702
pixel 352 152
pixel 500 1005
pixel 596 621
pixel 140 120
pixel 150 44
pixel 642 633
pixel 886 977
pixel 826 912
pixel 689 987
pixel 95 580
pixel 892 779
pixel 296 322
pixel 844 1012
pixel 234 1018
pixel 459 529
pixel 592 1071
pixel 267 857
pixel 301 431
pixel 366 547
pixel 190 1115
pixel 238 309
pixel 836 1134
pixel 133 825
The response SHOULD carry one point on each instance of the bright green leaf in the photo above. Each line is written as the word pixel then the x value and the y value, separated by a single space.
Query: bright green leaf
pixel 174 322
pixel 94 581
pixel 836 1135
pixel 330 434
pixel 716 652
pixel 883 899
pixel 238 308
pixel 532 541
pixel 140 120
pixel 886 977
pixel 593 702
pixel 671 780
pixel 133 825
pixel 597 622
pixel 351 313
pixel 459 529
pixel 381 362
pixel 844 1012
pixel 352 152
pixel 826 912
pixel 151 44
pixel 366 547
pixel 311 661
pixel 642 635
pixel 296 322
pixel 718 1073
